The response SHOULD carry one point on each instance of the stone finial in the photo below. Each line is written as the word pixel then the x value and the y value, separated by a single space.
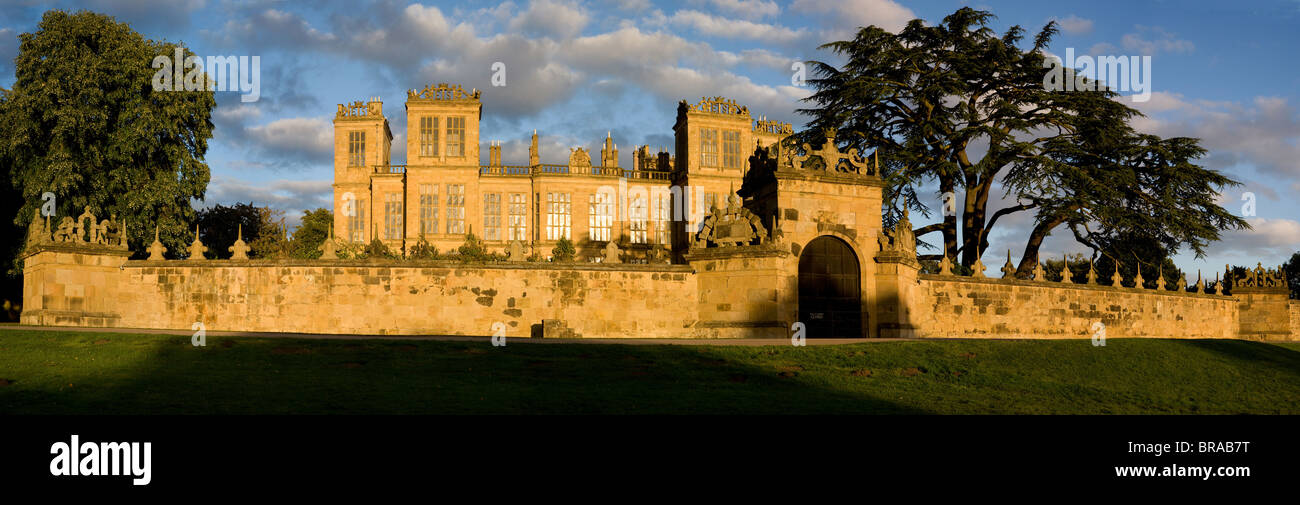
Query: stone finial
pixel 1160 278
pixel 945 266
pixel 240 249
pixel 1200 283
pixel 516 251
pixel 1092 273
pixel 1066 276
pixel 977 270
pixel 327 247
pixel 197 248
pixel 156 249
pixel 1181 283
pixel 1039 274
pixel 1008 270
pixel 611 253
pixel 1138 281
pixel 1117 280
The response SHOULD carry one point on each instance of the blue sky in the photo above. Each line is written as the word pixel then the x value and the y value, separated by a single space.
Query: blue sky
pixel 1222 71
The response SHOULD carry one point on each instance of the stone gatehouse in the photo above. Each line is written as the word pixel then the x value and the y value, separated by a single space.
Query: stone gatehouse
pixel 733 235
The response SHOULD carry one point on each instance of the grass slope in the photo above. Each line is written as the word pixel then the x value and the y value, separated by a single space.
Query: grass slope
pixel 70 372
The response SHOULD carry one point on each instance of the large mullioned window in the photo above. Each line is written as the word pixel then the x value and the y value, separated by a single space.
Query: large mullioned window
pixel 708 147
pixel 600 216
pixel 518 217
pixel 559 208
pixel 637 218
pixel 392 216
pixel 456 208
pixel 356 149
pixel 492 216
pixel 456 136
pixel 428 136
pixel 731 149
pixel 428 209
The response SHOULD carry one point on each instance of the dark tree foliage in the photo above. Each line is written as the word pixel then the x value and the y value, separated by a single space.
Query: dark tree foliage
pixel 1292 270
pixel 84 123
pixel 957 105
pixel 219 226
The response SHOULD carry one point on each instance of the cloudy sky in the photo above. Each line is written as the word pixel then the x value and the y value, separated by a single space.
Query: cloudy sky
pixel 1221 71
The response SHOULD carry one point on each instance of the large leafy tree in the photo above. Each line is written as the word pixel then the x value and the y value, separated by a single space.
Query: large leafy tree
pixel 311 233
pixel 957 105
pixel 221 225
pixel 83 122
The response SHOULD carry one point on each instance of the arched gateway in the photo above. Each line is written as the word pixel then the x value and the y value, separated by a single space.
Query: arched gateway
pixel 830 289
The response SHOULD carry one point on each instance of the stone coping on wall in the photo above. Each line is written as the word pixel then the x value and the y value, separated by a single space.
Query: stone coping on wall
pixel 95 249
pixel 1067 285
pixel 831 177
pixel 450 264
pixel 714 253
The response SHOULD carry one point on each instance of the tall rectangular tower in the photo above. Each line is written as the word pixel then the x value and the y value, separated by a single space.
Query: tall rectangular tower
pixel 442 158
pixel 362 143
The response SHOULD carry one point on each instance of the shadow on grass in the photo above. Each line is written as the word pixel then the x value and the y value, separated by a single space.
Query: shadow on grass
pixel 147 374
pixel 1265 354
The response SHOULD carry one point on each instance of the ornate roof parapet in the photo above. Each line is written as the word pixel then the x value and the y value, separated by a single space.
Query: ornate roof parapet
pixel 441 92
pixel 764 125
pixel 733 226
pixel 578 158
pixel 718 105
pixel 833 161
pixel 372 109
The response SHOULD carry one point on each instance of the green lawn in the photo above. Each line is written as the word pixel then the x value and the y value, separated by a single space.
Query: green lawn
pixel 93 373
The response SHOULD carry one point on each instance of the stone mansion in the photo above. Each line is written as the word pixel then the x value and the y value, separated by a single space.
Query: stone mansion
pixel 779 241
pixel 444 192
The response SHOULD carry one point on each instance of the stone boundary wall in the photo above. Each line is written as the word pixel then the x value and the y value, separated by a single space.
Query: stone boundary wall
pixel 364 297
pixel 949 306
pixel 1295 319
pixel 438 298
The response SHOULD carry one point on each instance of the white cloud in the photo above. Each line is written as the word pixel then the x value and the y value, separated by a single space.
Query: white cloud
pixel 1268 237
pixel 312 137
pixel 1074 25
pixel 716 26
pixel 1150 40
pixel 1265 132
pixel 290 195
pixel 748 9
pixel 846 16
pixel 551 18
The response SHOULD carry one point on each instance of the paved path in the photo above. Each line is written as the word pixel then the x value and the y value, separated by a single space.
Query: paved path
pixel 462 338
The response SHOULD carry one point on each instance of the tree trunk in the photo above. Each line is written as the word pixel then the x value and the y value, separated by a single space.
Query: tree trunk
pixel 1030 257
pixel 977 198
